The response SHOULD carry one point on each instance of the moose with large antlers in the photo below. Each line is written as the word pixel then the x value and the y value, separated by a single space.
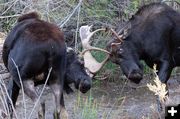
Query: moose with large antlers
pixel 33 47
pixel 152 35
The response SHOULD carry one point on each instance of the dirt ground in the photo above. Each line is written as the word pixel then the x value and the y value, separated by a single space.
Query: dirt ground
pixel 107 100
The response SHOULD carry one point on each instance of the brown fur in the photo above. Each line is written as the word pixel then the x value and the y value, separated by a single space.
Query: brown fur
pixel 31 15
pixel 41 30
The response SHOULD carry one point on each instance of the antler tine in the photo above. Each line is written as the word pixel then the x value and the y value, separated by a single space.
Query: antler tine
pixel 86 35
pixel 97 30
pixel 116 34
pixel 94 48
pixel 92 33
pixel 90 62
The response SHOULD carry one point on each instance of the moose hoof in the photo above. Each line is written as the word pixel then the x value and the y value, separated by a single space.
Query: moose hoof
pixel 56 115
pixel 41 113
pixel 62 115
pixel 41 116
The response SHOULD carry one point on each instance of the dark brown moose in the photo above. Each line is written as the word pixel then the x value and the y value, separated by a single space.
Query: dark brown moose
pixel 152 35
pixel 36 46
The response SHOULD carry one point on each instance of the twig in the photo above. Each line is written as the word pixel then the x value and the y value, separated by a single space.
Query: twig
pixel 65 1
pixel 40 93
pixel 1 88
pixel 3 99
pixel 27 5
pixel 15 1
pixel 47 12
pixel 77 28
pixel 3 84
pixel 4 105
pixel 69 16
pixel 6 3
pixel 21 86
pixel 16 15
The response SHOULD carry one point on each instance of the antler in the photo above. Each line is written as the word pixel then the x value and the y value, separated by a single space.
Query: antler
pixel 90 62
pixel 119 37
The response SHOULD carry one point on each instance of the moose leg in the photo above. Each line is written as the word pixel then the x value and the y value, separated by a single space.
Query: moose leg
pixel 57 89
pixel 13 92
pixel 30 91
pixel 68 89
pixel 64 112
pixel 164 72
pixel 159 104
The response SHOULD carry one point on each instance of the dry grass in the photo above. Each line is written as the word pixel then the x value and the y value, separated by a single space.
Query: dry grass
pixel 159 88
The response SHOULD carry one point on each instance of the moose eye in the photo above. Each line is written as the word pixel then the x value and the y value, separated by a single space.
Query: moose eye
pixel 120 51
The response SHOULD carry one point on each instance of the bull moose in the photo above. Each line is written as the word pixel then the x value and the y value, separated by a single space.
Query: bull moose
pixel 152 35
pixel 35 46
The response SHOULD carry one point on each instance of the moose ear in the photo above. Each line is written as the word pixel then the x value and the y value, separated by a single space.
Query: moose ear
pixel 114 47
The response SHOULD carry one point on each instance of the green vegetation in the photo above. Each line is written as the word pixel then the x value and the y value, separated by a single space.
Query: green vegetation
pixel 99 13
pixel 99 10
pixel 87 107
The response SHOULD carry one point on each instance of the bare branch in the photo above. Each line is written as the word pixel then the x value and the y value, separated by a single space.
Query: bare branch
pixel 69 16
pixel 77 28
pixel 15 1
pixel 10 16
pixel 3 84
pixel 19 75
